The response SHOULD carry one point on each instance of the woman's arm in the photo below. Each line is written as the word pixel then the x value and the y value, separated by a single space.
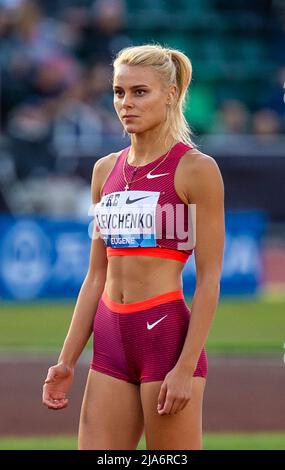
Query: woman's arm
pixel 201 184
pixel 206 190
pixel 82 320
pixel 60 376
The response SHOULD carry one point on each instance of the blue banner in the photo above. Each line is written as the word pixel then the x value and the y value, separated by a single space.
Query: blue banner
pixel 242 262
pixel 48 258
pixel 42 258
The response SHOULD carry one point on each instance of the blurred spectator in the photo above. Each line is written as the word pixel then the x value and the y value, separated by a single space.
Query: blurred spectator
pixel 74 20
pixel 57 195
pixel 54 75
pixel 85 118
pixel 105 33
pixel 34 37
pixel 6 25
pixel 29 131
pixel 12 90
pixel 277 34
pixel 77 129
pixel 266 124
pixel 232 118
pixel 274 96
pixel 31 49
pixel 77 132
pixel 10 4
pixel 100 97
pixel 7 175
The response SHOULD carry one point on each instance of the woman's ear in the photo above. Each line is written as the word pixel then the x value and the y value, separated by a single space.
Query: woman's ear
pixel 171 94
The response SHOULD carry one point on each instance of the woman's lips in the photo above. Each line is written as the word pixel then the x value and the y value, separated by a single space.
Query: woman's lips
pixel 130 117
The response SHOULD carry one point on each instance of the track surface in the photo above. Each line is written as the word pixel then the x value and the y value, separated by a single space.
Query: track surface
pixel 241 394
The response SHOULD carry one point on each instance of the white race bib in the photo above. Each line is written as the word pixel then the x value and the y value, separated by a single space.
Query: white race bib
pixel 126 219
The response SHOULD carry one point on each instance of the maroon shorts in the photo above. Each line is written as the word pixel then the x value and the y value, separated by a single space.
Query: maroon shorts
pixel 142 341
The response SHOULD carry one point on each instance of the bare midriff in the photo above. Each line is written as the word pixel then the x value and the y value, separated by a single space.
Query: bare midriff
pixel 136 278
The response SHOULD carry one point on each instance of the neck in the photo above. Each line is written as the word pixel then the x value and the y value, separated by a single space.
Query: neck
pixel 147 147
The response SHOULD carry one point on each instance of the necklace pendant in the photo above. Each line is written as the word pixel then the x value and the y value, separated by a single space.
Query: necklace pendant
pixel 126 187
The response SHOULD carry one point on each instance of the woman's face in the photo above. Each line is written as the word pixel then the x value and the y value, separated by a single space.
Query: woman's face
pixel 140 99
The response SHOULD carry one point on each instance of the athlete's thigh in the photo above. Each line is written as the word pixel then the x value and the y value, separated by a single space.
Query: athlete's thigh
pixel 111 414
pixel 180 431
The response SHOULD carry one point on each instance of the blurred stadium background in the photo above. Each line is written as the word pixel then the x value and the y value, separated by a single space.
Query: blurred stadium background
pixel 57 119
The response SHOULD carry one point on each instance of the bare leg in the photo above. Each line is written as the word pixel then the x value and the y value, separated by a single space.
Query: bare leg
pixel 180 431
pixel 111 414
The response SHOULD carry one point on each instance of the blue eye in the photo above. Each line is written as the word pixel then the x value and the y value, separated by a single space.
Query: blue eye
pixel 140 92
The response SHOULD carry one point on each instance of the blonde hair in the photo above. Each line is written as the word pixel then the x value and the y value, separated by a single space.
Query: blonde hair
pixel 174 67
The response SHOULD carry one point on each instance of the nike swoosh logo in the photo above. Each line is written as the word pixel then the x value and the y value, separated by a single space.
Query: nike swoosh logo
pixel 130 201
pixel 150 326
pixel 150 176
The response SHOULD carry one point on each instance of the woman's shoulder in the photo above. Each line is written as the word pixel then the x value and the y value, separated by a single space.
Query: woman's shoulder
pixel 195 158
pixel 104 165
pixel 195 163
pixel 102 168
pixel 197 171
pixel 106 162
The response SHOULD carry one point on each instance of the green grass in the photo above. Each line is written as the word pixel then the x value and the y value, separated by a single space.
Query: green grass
pixel 212 441
pixel 37 326
pixel 39 443
pixel 244 441
pixel 242 326
pixel 248 327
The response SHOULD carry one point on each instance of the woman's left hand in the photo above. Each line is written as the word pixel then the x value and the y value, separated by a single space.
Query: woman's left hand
pixel 175 391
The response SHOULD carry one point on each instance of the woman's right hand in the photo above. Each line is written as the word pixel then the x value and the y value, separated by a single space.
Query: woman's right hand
pixel 56 386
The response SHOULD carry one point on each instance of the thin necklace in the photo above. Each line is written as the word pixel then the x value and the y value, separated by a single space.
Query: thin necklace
pixel 141 177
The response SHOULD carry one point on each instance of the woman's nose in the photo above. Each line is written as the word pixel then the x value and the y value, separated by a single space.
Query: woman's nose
pixel 127 102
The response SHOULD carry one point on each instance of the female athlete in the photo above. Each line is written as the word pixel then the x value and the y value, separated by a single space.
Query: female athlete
pixel 156 202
